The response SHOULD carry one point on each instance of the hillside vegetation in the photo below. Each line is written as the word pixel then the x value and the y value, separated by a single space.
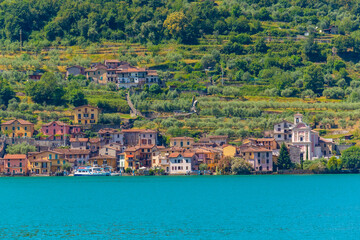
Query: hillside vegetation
pixel 250 61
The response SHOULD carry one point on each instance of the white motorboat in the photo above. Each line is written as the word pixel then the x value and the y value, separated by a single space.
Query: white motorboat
pixel 91 171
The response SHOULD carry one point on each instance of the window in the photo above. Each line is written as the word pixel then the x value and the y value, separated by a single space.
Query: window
pixel 267 154
pixel 258 154
pixel 25 134
pixel 50 156
pixel 188 143
pixel 25 128
pixel 258 161
pixel 18 128
pixel 174 143
pixel 279 136
pixel 267 161
pixel 58 162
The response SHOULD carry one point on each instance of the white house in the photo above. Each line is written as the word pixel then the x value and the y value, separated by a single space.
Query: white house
pixel 181 163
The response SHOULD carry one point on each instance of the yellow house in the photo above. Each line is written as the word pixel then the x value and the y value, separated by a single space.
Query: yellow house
pixel 184 142
pixel 229 151
pixel 46 162
pixel 17 128
pixel 86 115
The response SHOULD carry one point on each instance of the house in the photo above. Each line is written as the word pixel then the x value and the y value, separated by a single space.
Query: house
pixel 268 143
pixel 229 151
pixel 75 70
pixel 46 162
pixel 283 132
pixel 111 135
pixel 76 157
pixel 184 142
pixel 35 77
pixel 182 163
pixel 39 163
pixel 114 150
pixel 94 145
pixel 161 161
pixel 208 156
pixel 17 128
pixel 103 161
pixel 15 164
pixel 57 130
pixel 132 157
pixel 122 74
pixel 214 140
pixel 133 137
pixel 259 157
pixel 86 115
pixel 97 74
pixel 79 143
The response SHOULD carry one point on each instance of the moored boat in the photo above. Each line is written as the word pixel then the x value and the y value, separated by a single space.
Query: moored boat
pixel 91 171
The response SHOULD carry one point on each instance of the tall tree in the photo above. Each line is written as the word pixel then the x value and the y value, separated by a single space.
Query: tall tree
pixel 6 92
pixel 351 158
pixel 284 161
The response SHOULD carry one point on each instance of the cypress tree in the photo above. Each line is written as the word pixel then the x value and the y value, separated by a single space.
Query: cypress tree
pixel 284 161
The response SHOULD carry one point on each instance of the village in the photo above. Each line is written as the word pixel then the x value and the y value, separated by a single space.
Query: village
pixel 130 151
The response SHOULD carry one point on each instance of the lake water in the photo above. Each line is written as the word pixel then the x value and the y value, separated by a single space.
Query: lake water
pixel 188 207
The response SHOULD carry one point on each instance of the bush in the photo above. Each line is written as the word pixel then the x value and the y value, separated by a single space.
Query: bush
pixel 334 93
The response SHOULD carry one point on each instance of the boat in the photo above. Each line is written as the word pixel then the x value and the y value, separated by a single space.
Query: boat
pixel 91 171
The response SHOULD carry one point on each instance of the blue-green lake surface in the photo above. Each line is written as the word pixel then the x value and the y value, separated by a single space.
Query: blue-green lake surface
pixel 188 207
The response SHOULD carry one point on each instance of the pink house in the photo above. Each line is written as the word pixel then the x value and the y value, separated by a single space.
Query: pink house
pixel 15 164
pixel 56 130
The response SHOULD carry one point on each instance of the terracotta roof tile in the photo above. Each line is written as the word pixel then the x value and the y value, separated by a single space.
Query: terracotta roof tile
pixel 21 121
pixel 14 156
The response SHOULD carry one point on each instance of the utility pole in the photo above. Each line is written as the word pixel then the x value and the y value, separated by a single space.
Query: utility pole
pixel 20 40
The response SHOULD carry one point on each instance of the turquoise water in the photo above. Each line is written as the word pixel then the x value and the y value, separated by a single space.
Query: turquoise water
pixel 198 207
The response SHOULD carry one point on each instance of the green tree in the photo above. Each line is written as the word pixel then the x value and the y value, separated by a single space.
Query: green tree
pixel 77 98
pixel 240 166
pixel 314 79
pixel 334 164
pixel 22 148
pixel 203 167
pixel 284 161
pixel 47 90
pixel 6 92
pixel 260 46
pixel 351 158
pixel 224 165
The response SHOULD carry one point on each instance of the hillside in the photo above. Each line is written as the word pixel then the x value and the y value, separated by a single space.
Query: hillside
pixel 236 56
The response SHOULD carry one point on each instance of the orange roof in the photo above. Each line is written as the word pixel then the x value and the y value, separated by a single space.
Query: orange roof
pixel 94 140
pixel 146 146
pixel 21 121
pixel 188 154
pixel 174 155
pixel 108 130
pixel 79 139
pixel 255 149
pixel 14 156
pixel 130 156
